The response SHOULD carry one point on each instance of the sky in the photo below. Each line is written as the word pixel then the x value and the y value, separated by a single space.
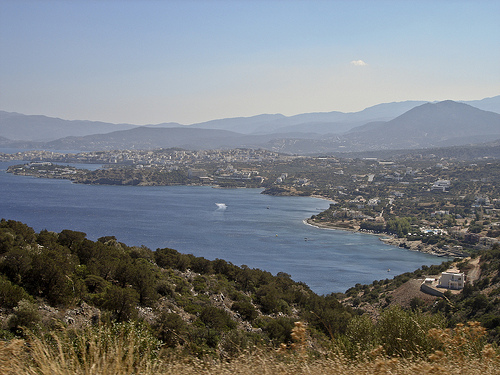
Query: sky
pixel 188 61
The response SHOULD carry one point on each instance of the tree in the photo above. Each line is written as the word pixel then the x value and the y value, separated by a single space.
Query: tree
pixel 121 302
pixel 16 264
pixel 71 238
pixel 216 318
pixel 49 276
pixel 11 294
pixel 170 258
pixel 170 329
pixel 398 226
pixel 143 279
pixel 279 330
pixel 245 309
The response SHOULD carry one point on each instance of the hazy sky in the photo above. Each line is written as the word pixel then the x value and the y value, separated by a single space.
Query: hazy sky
pixel 188 61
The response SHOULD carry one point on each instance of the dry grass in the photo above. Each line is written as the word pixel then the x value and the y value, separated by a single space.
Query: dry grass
pixel 102 352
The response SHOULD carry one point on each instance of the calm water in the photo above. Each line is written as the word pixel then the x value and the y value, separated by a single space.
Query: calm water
pixel 254 229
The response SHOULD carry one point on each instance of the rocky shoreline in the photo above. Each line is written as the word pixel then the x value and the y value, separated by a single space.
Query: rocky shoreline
pixel 424 248
pixel 394 241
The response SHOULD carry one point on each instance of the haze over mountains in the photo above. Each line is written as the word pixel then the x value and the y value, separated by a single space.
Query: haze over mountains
pixel 16 126
pixel 388 126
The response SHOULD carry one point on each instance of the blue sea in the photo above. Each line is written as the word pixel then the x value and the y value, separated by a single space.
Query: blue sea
pixel 241 226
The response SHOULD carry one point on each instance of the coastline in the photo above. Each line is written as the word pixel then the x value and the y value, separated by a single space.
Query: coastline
pixel 393 241
pixel 351 227
pixel 331 226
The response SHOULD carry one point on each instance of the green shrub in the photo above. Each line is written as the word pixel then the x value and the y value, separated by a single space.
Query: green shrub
pixel 170 329
pixel 404 333
pixel 11 294
pixel 361 333
pixel 26 315
pixel 245 309
pixel 216 318
pixel 278 330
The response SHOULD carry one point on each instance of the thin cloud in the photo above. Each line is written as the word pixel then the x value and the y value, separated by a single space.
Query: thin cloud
pixel 358 63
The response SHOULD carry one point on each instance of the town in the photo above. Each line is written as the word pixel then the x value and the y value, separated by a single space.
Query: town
pixel 438 205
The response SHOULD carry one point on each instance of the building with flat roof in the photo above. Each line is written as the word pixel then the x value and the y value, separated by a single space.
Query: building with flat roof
pixel 452 280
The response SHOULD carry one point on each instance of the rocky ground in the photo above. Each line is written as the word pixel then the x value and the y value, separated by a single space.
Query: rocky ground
pixel 424 248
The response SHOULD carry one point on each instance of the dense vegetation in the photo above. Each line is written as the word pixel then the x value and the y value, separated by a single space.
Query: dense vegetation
pixel 53 285
pixel 184 299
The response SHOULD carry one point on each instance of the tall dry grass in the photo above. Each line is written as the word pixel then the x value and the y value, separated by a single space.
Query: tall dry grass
pixel 131 351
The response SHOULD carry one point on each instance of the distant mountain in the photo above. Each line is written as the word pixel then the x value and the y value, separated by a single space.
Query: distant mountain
pixel 410 124
pixel 445 123
pixel 320 122
pixel 4 141
pixel 326 122
pixel 243 125
pixel 151 138
pixel 165 125
pixel 477 151
pixel 440 124
pixel 16 126
pixel 487 104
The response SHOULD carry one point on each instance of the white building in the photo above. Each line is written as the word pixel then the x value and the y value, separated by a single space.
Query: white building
pixel 452 280
pixel 442 185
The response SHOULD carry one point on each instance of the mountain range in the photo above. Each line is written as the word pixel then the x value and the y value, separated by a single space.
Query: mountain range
pixel 16 126
pixel 387 126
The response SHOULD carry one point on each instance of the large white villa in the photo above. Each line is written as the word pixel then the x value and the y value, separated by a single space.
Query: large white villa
pixel 452 280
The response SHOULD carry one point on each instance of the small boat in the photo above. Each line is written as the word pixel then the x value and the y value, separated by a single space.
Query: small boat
pixel 221 206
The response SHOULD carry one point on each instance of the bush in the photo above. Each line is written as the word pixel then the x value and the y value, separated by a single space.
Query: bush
pixel 361 333
pixel 279 330
pixel 121 302
pixel 404 333
pixel 25 315
pixel 215 318
pixel 11 294
pixel 245 309
pixel 170 329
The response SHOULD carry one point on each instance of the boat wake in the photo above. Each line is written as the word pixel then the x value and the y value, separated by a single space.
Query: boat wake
pixel 221 206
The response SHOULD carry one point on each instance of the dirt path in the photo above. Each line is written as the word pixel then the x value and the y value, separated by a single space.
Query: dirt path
pixel 474 273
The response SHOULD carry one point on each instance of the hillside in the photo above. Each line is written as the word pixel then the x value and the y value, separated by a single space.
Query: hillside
pixel 478 301
pixel 111 281
pixel 19 127
pixel 71 305
pixel 143 138
pixel 467 152
pixel 79 281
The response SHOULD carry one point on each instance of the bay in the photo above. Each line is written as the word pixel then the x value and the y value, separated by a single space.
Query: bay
pixel 254 229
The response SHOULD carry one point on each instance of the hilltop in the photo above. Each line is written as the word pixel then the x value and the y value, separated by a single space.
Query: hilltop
pixel 440 124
